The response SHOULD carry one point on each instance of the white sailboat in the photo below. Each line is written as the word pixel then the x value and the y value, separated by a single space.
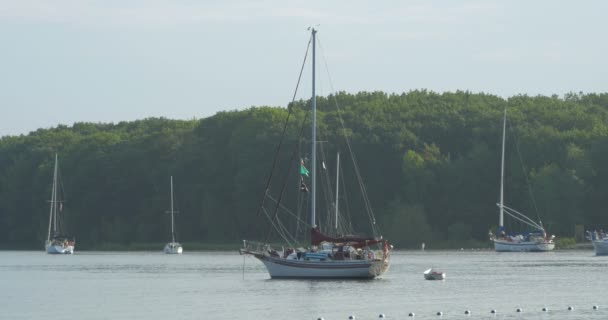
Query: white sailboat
pixel 173 247
pixel 336 256
pixel 57 242
pixel 599 241
pixel 601 247
pixel 517 242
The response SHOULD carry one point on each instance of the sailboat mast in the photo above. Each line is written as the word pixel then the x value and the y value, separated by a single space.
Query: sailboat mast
pixel 172 228
pixel 55 196
pixel 502 170
pixel 314 135
pixel 53 208
pixel 337 186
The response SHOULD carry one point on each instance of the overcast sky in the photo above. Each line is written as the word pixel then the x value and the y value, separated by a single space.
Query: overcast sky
pixel 67 61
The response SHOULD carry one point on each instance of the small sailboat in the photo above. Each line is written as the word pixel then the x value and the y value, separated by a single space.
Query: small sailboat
pixel 173 247
pixel 517 242
pixel 601 247
pixel 330 255
pixel 432 274
pixel 57 242
pixel 599 241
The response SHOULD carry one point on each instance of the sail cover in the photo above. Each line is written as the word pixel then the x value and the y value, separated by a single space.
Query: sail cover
pixel 316 237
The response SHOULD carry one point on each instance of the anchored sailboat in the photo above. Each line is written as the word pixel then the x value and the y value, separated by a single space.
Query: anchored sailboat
pixel 517 242
pixel 57 242
pixel 328 256
pixel 599 241
pixel 173 247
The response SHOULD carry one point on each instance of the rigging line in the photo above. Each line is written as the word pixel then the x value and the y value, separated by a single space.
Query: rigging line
pixel 523 216
pixel 346 202
pixel 524 169
pixel 285 232
pixel 299 213
pixel 60 196
pixel 291 161
pixel 326 185
pixel 287 210
pixel 301 197
pixel 289 112
pixel 519 213
pixel 370 212
pixel 523 221
pixel 279 230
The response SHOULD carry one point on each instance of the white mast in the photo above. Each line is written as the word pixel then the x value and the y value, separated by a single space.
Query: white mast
pixel 337 186
pixel 52 201
pixel 314 135
pixel 502 171
pixel 55 187
pixel 53 208
pixel 172 228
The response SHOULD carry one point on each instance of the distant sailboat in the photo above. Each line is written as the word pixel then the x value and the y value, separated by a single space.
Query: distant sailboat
pixel 57 242
pixel 599 241
pixel 173 247
pixel 600 246
pixel 518 242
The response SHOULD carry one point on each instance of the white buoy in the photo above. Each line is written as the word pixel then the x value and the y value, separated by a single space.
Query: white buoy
pixel 381 315
pixel 545 309
pixel 519 310
pixel 467 312
pixel 411 314
pixel 493 311
pixel 439 313
pixel 570 308
pixel 595 307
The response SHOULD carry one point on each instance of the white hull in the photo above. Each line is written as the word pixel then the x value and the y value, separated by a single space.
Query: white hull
pixel 173 248
pixel 601 247
pixel 354 269
pixel 523 246
pixel 59 249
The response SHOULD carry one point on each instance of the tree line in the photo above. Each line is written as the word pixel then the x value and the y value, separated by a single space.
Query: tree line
pixel 431 163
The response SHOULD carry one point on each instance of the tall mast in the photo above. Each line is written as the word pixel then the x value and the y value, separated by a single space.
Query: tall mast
pixel 53 208
pixel 172 229
pixel 54 201
pixel 502 170
pixel 314 135
pixel 337 186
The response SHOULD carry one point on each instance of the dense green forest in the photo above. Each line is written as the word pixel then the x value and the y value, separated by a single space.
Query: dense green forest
pixel 431 163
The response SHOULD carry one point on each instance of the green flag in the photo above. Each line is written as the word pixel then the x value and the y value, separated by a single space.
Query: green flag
pixel 303 170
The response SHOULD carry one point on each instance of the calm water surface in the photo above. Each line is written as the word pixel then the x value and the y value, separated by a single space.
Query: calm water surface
pixel 212 285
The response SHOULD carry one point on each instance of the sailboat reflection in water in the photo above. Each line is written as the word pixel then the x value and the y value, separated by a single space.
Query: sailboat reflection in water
pixel 333 253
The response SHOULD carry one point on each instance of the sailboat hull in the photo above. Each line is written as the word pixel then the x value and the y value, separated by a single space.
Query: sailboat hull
pixel 523 246
pixel 331 269
pixel 601 247
pixel 173 248
pixel 59 249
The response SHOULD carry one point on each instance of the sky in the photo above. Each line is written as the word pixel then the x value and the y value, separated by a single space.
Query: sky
pixel 102 61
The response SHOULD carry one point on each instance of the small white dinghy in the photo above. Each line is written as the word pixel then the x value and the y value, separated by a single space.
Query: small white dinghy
pixel 431 274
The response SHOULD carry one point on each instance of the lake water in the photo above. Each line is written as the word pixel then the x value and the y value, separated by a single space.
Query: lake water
pixel 212 285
